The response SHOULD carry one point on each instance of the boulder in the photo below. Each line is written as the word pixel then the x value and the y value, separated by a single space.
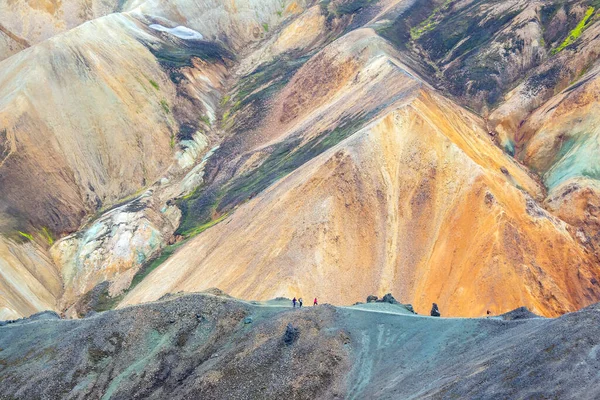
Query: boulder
pixel 291 334
pixel 388 298
pixel 372 299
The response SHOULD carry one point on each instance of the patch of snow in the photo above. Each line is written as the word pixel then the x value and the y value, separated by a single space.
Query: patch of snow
pixel 181 32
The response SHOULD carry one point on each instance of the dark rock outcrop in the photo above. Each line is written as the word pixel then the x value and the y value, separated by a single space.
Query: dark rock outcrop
pixel 519 313
pixel 388 298
pixel 291 334
pixel 372 298
pixel 410 308
pixel 435 311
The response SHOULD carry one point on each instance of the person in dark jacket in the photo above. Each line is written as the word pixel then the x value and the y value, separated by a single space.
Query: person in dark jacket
pixel 435 311
pixel 294 302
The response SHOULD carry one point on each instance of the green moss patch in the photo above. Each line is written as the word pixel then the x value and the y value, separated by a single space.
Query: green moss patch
pixel 5 146
pixel 48 236
pixel 165 106
pixel 26 236
pixel 199 229
pixel 576 32
pixel 180 54
pixel 224 100
pixel 206 120
pixel 106 302
pixel 430 22
pixel 206 208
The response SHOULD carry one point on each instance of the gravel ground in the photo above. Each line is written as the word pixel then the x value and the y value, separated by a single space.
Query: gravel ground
pixel 214 347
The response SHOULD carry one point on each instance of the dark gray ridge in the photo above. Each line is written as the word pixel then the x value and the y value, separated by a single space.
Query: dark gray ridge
pixel 215 347
pixel 519 313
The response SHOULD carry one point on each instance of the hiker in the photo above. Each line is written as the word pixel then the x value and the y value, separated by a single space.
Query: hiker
pixel 300 302
pixel 315 303
pixel 294 302
pixel 488 312
pixel 435 311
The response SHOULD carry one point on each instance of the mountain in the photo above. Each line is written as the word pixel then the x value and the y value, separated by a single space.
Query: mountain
pixel 28 22
pixel 417 189
pixel 443 151
pixel 139 96
pixel 216 347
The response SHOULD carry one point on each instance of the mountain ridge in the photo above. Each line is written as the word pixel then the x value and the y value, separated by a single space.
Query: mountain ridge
pixel 220 347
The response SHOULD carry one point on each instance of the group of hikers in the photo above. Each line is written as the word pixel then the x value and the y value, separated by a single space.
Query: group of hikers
pixel 299 302
pixel 435 311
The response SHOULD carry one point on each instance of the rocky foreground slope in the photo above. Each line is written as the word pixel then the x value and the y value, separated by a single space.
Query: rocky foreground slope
pixel 442 150
pixel 216 347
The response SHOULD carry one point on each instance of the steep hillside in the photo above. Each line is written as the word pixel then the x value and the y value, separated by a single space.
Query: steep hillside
pixel 362 215
pixel 478 50
pixel 89 158
pixel 27 22
pixel 515 62
pixel 419 201
pixel 270 147
pixel 85 126
pixel 216 347
pixel 93 117
pixel 10 44
pixel 29 280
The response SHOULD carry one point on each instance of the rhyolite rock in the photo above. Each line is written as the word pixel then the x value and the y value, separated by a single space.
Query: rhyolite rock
pixel 433 155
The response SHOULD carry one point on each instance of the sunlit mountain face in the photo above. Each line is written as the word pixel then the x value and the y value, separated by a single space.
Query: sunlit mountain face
pixel 443 151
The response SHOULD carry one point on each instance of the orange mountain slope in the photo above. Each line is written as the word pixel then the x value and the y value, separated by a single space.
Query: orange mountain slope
pixel 442 151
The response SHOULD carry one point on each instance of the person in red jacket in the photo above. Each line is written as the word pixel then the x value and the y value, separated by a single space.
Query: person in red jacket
pixel 315 303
